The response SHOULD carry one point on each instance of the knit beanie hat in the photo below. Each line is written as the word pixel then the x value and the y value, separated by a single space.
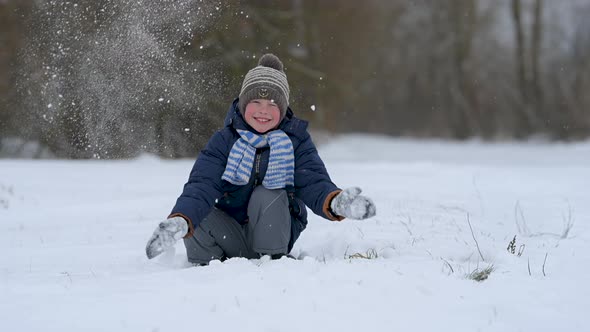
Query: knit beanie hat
pixel 266 81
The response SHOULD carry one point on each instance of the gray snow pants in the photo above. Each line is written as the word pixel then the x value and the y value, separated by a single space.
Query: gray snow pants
pixel 268 231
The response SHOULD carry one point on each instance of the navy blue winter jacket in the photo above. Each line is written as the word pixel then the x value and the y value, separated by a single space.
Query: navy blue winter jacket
pixel 206 189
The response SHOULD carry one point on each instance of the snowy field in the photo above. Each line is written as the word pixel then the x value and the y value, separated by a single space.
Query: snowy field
pixel 73 233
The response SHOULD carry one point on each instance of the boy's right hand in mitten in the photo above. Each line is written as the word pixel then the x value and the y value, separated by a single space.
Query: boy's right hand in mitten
pixel 165 236
pixel 350 204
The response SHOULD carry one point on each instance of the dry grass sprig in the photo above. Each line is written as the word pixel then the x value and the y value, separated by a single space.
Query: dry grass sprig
pixel 474 239
pixel 369 254
pixel 480 275
pixel 545 261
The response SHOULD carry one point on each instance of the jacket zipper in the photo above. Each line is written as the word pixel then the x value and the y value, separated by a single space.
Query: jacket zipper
pixel 257 167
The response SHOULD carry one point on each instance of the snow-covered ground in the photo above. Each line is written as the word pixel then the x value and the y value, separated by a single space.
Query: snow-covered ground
pixel 72 238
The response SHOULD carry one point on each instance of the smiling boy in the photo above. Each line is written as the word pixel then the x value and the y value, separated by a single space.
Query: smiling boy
pixel 247 193
pixel 262 115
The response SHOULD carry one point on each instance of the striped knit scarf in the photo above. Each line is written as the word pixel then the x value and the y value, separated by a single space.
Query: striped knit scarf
pixel 281 164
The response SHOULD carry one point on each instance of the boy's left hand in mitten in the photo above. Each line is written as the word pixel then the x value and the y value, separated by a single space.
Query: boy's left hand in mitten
pixel 350 204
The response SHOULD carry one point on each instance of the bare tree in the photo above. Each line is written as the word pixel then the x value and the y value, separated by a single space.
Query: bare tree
pixel 536 41
pixel 524 114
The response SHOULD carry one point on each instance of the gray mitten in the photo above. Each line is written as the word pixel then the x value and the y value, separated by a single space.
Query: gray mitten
pixel 350 204
pixel 165 236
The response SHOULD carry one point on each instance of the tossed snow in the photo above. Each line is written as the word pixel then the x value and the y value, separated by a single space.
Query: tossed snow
pixel 72 238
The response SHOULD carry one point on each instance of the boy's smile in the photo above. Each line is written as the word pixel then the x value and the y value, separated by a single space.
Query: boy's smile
pixel 262 115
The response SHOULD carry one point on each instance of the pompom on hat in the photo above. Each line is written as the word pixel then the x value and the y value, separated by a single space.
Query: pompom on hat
pixel 266 81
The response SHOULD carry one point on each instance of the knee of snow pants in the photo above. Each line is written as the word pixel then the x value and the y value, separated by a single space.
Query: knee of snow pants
pixel 269 225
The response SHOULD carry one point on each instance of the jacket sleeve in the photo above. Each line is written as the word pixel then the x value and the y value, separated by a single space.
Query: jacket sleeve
pixel 312 182
pixel 204 184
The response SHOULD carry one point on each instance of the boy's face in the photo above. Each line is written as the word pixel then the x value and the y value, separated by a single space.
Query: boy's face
pixel 262 115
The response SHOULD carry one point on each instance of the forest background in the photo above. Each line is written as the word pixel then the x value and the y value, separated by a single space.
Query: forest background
pixel 117 78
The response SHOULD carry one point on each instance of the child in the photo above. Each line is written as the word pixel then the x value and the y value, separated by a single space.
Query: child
pixel 247 191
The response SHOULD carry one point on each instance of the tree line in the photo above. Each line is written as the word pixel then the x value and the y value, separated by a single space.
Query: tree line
pixel 116 78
